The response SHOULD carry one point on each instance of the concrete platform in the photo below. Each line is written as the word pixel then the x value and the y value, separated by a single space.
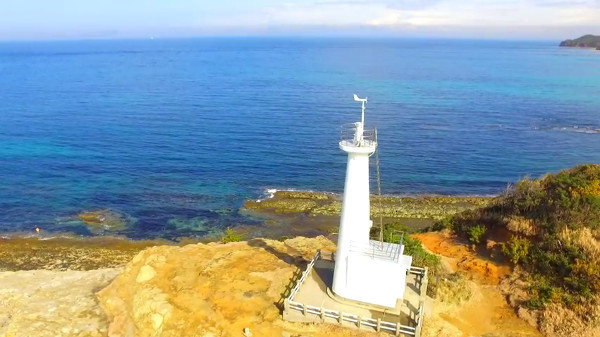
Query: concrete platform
pixel 314 302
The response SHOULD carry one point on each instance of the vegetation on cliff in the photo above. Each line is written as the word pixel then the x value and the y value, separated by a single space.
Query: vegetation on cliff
pixel 586 41
pixel 554 230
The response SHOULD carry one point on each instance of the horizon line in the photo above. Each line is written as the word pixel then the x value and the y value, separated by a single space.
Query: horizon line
pixel 275 36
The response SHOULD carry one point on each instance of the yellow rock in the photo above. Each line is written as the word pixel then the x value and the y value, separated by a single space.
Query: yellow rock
pixel 212 289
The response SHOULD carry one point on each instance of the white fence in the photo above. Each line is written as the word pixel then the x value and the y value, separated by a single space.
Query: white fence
pixel 377 324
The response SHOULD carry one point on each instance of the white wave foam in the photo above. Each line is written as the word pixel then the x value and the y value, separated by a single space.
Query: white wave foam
pixel 577 129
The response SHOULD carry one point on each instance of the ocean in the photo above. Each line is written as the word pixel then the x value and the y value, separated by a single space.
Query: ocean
pixel 176 134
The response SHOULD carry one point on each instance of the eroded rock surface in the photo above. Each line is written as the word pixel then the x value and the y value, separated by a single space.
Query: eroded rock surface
pixel 45 303
pixel 211 290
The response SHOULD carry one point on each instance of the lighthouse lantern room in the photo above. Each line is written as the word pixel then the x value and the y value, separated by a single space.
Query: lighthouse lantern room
pixel 369 271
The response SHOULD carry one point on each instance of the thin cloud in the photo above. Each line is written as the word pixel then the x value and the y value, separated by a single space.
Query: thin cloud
pixel 463 18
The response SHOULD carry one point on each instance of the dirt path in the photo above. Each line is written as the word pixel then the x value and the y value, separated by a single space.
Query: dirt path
pixel 486 313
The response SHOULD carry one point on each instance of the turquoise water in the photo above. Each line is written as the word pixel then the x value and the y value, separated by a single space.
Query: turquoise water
pixel 175 134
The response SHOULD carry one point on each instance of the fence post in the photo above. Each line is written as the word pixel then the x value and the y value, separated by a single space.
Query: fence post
pixel 341 317
pixel 378 324
pixel 398 329
pixel 322 314
pixel 359 321
pixel 424 282
pixel 419 319
pixel 304 309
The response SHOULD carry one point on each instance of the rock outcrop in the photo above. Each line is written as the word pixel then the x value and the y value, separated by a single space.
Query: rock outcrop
pixel 43 303
pixel 41 252
pixel 211 290
pixel 319 203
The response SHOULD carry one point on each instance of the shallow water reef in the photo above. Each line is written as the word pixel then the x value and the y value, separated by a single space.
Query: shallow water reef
pixel 68 253
pixel 321 203
pixel 104 220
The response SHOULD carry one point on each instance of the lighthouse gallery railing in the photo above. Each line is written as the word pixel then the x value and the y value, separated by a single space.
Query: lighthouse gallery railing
pixel 351 135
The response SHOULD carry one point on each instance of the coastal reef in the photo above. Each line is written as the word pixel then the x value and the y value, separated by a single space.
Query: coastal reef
pixel 586 41
pixel 68 253
pixel 320 203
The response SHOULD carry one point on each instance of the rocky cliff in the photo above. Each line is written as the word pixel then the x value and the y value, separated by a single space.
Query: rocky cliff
pixel 212 290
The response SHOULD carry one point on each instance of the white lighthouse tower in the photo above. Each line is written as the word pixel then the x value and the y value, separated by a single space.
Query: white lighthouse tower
pixel 365 270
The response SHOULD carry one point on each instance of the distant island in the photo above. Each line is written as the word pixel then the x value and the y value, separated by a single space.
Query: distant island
pixel 586 41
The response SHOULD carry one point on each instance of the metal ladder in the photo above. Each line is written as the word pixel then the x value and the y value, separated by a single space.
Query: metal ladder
pixel 379 191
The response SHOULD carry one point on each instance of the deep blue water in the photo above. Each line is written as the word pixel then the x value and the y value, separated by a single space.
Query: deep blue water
pixel 177 133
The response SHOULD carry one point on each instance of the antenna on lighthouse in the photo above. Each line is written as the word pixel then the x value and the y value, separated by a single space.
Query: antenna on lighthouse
pixel 364 102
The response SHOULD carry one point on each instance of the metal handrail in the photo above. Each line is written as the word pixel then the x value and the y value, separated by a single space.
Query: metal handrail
pixel 350 136
pixel 304 275
pixel 391 252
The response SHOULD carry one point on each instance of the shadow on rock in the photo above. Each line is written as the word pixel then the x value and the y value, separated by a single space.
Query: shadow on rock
pixel 295 259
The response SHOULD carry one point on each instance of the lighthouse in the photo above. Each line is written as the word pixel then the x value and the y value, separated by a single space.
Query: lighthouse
pixel 366 270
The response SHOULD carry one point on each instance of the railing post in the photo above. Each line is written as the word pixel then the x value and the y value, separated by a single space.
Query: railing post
pixel 304 312
pixel 322 314
pixel 359 321
pixel 418 331
pixel 397 328
pixel 419 319
pixel 424 283
pixel 341 317
pixel 286 305
pixel 378 324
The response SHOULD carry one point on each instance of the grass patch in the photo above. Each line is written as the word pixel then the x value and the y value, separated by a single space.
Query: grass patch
pixel 454 289
pixel 231 236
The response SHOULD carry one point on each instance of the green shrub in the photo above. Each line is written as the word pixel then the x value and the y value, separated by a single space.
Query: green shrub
pixel 541 292
pixel 477 234
pixel 445 223
pixel 516 249
pixel 231 236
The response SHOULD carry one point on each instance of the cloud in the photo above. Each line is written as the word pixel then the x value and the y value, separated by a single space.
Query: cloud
pixel 493 13
pixel 424 13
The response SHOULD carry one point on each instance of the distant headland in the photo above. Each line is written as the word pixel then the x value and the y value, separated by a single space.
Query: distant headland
pixel 586 41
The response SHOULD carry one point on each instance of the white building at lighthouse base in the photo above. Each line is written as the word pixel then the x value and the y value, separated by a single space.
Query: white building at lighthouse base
pixel 375 273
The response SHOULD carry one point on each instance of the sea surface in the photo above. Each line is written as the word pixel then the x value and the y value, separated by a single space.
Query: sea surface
pixel 176 134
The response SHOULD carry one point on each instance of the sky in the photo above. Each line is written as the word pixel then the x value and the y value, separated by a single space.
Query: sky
pixel 482 19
